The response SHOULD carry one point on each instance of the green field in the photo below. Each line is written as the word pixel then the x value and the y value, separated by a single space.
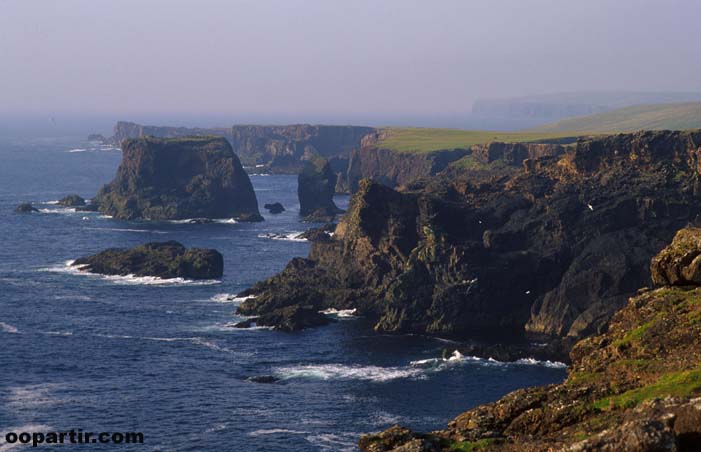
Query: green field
pixel 427 140
pixel 642 117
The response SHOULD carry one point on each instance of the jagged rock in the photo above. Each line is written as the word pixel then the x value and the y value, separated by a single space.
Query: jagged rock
pixel 72 201
pixel 315 188
pixel 180 178
pixel 554 250
pixel 26 208
pixel 275 207
pixel 680 263
pixel 635 387
pixel 266 379
pixel 288 319
pixel 159 259
pixel 514 153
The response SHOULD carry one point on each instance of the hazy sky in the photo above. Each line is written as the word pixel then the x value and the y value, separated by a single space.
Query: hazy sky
pixel 351 56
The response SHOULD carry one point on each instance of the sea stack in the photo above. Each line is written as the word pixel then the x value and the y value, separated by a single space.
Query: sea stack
pixel 316 186
pixel 179 178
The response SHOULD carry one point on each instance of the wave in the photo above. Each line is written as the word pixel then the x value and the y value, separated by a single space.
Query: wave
pixel 77 150
pixel 336 442
pixel 58 333
pixel 7 328
pixel 151 231
pixel 129 280
pixel 230 298
pixel 59 210
pixel 457 357
pixel 33 396
pixel 341 313
pixel 276 431
pixel 290 236
pixel 196 221
pixel 347 372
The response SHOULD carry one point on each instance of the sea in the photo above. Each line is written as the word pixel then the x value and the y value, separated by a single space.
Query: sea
pixel 160 357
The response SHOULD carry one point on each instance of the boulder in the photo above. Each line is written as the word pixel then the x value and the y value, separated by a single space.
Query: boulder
pixel 164 260
pixel 275 207
pixel 179 178
pixel 72 201
pixel 26 208
pixel 316 185
pixel 679 264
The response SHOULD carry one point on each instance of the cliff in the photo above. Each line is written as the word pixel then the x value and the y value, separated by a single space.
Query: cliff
pixel 125 130
pixel 282 148
pixel 179 178
pixel 554 247
pixel 636 387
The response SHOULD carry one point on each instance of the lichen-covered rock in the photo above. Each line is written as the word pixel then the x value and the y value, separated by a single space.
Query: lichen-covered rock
pixel 179 178
pixel 164 260
pixel 635 387
pixel 72 201
pixel 26 207
pixel 315 187
pixel 680 263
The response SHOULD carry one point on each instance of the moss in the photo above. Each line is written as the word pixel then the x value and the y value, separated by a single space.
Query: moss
pixel 679 384
pixel 583 378
pixel 633 336
pixel 469 162
pixel 470 446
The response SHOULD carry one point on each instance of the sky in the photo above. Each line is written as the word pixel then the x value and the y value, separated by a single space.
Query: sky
pixel 304 58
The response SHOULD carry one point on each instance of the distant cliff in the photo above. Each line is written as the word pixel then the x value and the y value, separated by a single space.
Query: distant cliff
pixel 179 178
pixel 124 130
pixel 282 148
pixel 552 247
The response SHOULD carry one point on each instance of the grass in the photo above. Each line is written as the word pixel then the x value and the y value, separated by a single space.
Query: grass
pixel 634 335
pixel 681 116
pixel 680 384
pixel 471 446
pixel 426 140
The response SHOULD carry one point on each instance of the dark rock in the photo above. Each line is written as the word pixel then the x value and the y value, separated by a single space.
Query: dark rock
pixel 159 259
pixel 322 233
pixel 275 207
pixel 200 221
pixel 552 250
pixel 266 379
pixel 88 208
pixel 26 208
pixel 72 201
pixel 97 137
pixel 292 318
pixel 173 179
pixel 315 188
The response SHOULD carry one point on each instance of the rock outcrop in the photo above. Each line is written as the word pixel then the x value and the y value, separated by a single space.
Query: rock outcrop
pixel 179 178
pixel 553 248
pixel 72 201
pixel 274 207
pixel 636 387
pixel 315 188
pixel 288 319
pixel 26 207
pixel 164 260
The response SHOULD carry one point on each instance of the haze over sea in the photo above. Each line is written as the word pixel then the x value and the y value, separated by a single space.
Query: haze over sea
pixel 129 354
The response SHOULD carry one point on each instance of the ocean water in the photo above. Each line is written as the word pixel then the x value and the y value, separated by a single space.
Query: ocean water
pixel 129 354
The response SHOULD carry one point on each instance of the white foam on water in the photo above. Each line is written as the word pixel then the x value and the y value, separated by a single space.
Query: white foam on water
pixel 130 280
pixel 105 217
pixel 77 150
pixel 150 231
pixel 230 298
pixel 347 372
pixel 29 428
pixel 33 396
pixel 288 236
pixel 225 220
pixel 456 358
pixel 59 210
pixel 341 313
pixel 546 363
pixel 336 442
pixel 7 328
pixel 276 431
pixel 59 333
pixel 52 203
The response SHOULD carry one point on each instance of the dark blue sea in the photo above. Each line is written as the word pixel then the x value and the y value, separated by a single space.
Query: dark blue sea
pixel 129 354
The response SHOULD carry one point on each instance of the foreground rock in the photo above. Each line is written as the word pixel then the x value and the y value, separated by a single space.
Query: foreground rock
pixel 316 185
pixel 179 178
pixel 164 260
pixel 274 208
pixel 635 388
pixel 551 248
pixel 72 201
pixel 26 208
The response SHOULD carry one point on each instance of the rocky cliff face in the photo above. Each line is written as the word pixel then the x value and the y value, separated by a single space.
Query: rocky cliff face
pixel 393 168
pixel 282 148
pixel 125 130
pixel 315 187
pixel 636 387
pixel 554 247
pixel 170 179
pixel 514 153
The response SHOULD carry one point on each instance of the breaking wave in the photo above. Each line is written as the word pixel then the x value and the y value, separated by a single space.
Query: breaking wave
pixel 347 372
pixel 289 236
pixel 341 313
pixel 7 328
